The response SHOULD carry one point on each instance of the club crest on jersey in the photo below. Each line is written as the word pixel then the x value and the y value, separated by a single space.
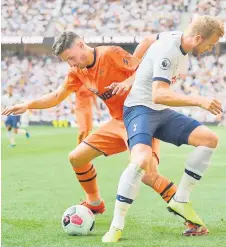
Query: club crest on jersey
pixel 125 61
pixel 165 64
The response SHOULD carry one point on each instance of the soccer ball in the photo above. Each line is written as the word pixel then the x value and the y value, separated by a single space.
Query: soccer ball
pixel 78 220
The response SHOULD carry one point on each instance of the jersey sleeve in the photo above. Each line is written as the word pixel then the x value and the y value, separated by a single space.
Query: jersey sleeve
pixel 163 67
pixel 123 60
pixel 72 82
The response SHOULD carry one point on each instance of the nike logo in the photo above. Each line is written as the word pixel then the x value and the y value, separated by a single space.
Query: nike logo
pixel 121 199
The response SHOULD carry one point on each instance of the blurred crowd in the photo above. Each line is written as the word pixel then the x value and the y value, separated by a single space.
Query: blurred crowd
pixel 26 17
pixel 34 76
pixel 210 7
pixel 101 17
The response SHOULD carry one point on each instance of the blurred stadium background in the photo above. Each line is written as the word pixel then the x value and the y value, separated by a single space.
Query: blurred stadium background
pixel 29 28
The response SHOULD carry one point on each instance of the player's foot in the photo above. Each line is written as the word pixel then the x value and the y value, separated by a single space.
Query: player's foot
pixel 112 236
pixel 185 210
pixel 12 146
pixel 95 209
pixel 194 230
pixel 27 134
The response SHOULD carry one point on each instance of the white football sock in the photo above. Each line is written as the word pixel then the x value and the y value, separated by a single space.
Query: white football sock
pixel 196 165
pixel 128 189
pixel 11 137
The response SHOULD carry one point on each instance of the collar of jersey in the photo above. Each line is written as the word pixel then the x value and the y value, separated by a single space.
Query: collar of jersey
pixel 181 48
pixel 182 51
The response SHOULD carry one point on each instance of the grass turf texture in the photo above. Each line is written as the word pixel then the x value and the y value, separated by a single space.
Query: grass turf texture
pixel 38 184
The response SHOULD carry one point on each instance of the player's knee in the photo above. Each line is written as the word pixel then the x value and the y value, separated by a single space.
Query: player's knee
pixel 141 155
pixel 74 159
pixel 211 140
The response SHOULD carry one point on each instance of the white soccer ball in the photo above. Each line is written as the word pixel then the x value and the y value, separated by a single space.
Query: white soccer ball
pixel 78 220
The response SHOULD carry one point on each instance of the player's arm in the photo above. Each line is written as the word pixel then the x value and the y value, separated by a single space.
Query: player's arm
pixel 122 87
pixel 46 101
pixel 163 94
pixel 144 45
pixel 123 61
pixel 49 100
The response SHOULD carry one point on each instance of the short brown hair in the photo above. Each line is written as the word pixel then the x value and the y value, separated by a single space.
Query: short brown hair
pixel 206 26
pixel 63 42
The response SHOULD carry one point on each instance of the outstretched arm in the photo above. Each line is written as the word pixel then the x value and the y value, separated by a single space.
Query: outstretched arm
pixel 46 101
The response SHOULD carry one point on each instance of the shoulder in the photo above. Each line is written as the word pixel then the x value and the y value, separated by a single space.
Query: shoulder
pixel 164 48
pixel 111 50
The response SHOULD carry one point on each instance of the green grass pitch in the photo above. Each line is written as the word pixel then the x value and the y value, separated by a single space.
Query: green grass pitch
pixel 38 184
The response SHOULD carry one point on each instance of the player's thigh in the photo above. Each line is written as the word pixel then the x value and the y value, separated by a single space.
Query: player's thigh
pixel 83 154
pixel 16 122
pixel 9 123
pixel 141 123
pixel 141 154
pixel 108 139
pixel 176 128
pixel 155 145
pixel 203 136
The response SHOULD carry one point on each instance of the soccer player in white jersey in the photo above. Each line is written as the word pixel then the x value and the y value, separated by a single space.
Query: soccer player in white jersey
pixel 12 121
pixel 147 114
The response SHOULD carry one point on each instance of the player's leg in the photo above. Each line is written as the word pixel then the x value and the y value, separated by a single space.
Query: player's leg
pixel 80 159
pixel 128 189
pixel 10 133
pixel 17 130
pixel 102 141
pixel 205 142
pixel 184 126
pixel 21 131
pixel 166 188
pixel 152 178
pixel 140 127
pixel 162 185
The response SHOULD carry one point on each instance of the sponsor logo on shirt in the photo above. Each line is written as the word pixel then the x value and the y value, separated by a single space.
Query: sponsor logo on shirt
pixel 104 96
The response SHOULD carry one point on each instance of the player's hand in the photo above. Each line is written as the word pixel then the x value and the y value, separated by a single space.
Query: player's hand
pixel 119 88
pixel 15 110
pixel 212 106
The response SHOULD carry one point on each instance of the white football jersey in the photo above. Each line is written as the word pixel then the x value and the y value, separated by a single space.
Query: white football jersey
pixel 164 61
